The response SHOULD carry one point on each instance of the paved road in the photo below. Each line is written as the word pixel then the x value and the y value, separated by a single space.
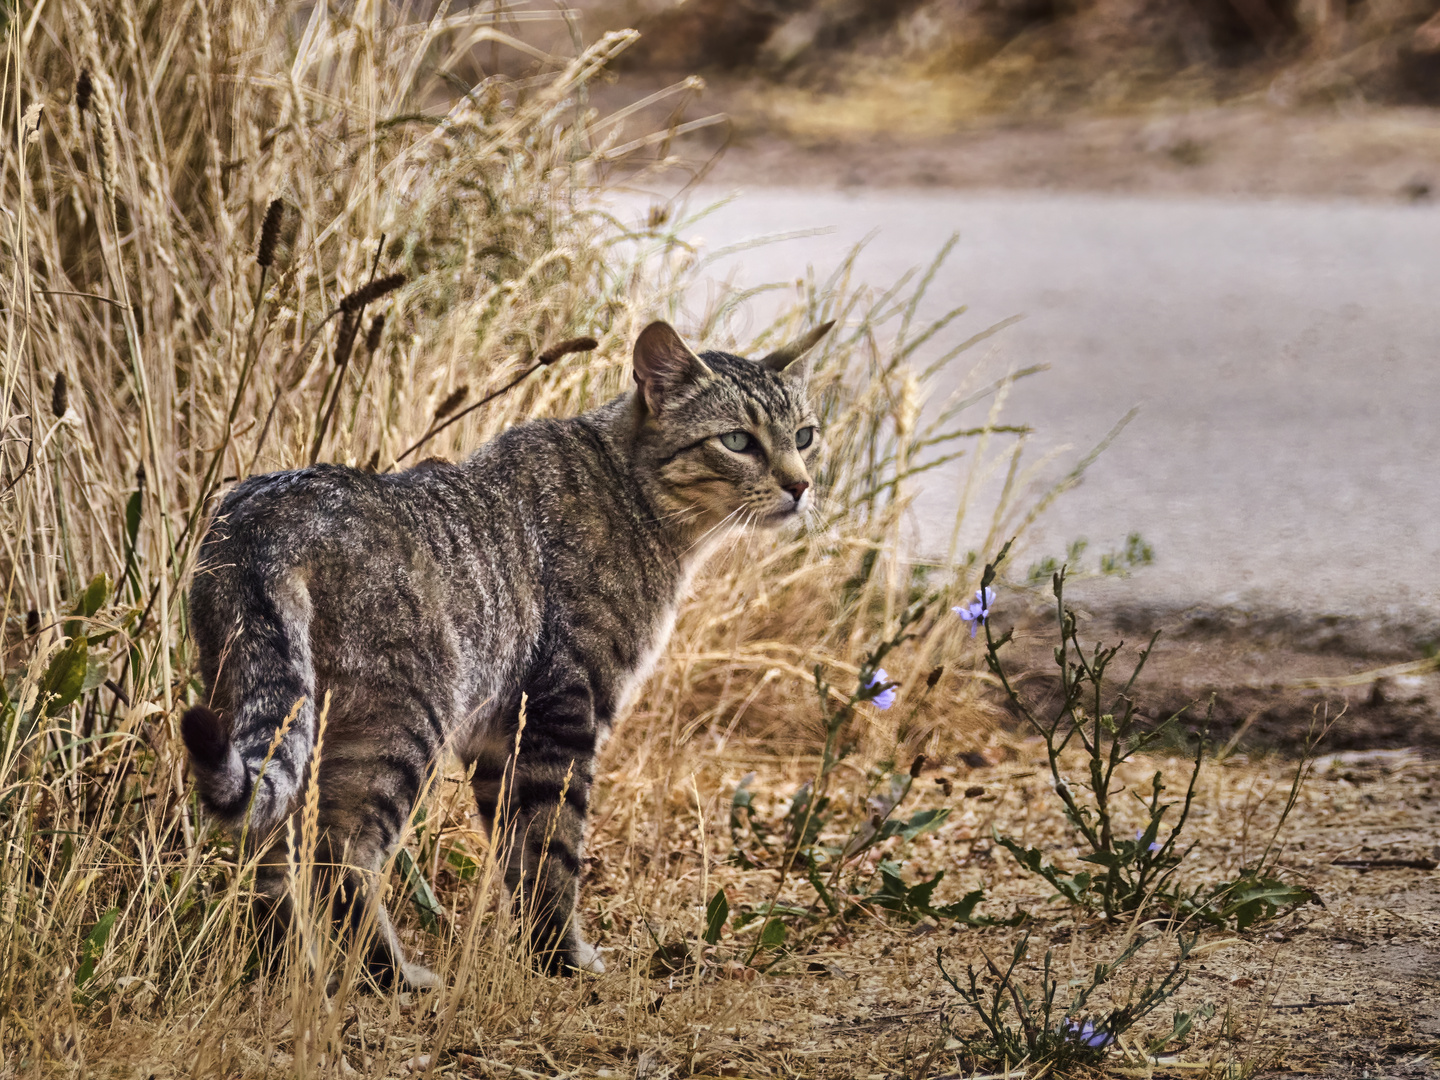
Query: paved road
pixel 1286 357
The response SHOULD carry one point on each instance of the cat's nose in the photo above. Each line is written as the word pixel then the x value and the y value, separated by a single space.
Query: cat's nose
pixel 798 488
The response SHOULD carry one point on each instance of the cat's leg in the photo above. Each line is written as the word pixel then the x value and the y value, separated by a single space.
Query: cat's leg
pixel 355 885
pixel 271 908
pixel 535 810
pixel 374 766
pixel 344 878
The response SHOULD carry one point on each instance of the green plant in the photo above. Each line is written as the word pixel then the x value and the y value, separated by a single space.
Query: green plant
pixel 815 840
pixel 1050 1035
pixel 1137 552
pixel 1133 869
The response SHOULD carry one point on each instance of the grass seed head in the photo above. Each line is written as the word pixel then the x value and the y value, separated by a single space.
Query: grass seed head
pixel 60 395
pixel 565 348
pixel 84 88
pixel 368 294
pixel 452 402
pixel 377 329
pixel 270 233
pixel 345 340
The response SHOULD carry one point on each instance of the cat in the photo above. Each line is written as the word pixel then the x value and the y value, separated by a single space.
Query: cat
pixel 425 603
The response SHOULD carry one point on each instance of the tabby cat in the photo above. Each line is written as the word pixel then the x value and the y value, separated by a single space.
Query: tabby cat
pixel 426 603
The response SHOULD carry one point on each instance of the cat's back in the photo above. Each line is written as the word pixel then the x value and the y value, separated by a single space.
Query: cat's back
pixel 309 510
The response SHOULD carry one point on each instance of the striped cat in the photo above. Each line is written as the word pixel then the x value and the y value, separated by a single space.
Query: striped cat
pixel 549 564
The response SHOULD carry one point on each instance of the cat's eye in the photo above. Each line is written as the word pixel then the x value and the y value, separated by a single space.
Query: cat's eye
pixel 737 441
pixel 804 437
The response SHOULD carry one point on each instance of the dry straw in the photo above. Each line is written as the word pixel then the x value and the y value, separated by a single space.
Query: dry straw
pixel 489 198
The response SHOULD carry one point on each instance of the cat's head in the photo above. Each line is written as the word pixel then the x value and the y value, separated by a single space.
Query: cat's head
pixel 726 439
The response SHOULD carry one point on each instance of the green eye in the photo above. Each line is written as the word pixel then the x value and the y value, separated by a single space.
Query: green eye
pixel 736 441
pixel 804 437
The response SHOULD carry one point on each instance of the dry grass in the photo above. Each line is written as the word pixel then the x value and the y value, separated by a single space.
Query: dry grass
pixel 145 143
pixel 128 237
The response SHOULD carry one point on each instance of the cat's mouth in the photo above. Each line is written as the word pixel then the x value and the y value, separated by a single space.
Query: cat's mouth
pixel 781 514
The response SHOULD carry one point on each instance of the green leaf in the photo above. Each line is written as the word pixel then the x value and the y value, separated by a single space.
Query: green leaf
pixel 1031 859
pixel 64 678
pixel 465 866
pixel 421 895
pixel 97 670
pixel 94 596
pixel 1075 889
pixel 919 895
pixel 1262 900
pixel 812 874
pixel 923 822
pixel 715 915
pixel 760 911
pixel 93 946
pixel 91 601
pixel 773 934
pixel 963 910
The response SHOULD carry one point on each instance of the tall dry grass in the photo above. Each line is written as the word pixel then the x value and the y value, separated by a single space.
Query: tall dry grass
pixel 148 361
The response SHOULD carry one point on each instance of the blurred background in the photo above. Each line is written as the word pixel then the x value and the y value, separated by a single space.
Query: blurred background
pixel 1183 95
pixel 1219 211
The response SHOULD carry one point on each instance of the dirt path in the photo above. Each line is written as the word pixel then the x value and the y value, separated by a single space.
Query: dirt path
pixel 1255 151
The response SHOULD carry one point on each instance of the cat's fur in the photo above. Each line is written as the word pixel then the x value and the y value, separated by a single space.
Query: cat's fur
pixel 549 564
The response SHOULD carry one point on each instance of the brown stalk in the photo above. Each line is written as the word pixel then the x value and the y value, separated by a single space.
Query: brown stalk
pixel 548 356
pixel 352 308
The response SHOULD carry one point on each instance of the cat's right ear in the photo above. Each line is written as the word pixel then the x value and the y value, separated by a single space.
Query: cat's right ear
pixel 665 364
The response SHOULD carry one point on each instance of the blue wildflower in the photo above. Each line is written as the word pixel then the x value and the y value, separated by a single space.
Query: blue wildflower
pixel 886 697
pixel 1086 1035
pixel 1155 845
pixel 977 612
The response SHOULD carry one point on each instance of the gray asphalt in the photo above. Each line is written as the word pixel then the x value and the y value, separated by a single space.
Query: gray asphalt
pixel 1284 356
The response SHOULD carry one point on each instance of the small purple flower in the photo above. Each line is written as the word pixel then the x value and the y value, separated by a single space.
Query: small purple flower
pixel 1155 845
pixel 886 697
pixel 977 612
pixel 1086 1035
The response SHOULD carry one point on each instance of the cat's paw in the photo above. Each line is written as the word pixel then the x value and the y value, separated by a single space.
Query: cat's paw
pixel 419 977
pixel 585 957
pixel 387 975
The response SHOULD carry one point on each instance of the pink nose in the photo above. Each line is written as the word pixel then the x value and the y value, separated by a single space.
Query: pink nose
pixel 797 489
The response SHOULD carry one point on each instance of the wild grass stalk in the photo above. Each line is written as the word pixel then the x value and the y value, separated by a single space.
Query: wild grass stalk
pixel 151 142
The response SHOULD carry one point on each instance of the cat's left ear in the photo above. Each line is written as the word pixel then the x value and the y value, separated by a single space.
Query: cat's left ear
pixel 665 364
pixel 784 358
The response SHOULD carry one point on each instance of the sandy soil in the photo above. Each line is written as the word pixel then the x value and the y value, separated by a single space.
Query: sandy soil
pixel 1387 154
pixel 1341 988
pixel 1261 148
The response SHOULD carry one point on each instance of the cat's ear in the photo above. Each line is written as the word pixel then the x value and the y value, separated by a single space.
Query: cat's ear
pixel 784 357
pixel 664 364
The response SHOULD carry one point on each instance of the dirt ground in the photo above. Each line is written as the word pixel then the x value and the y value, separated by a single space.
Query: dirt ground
pixel 1258 149
pixel 1343 988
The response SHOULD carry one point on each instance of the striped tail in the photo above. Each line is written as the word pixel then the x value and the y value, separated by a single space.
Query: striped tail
pixel 250 765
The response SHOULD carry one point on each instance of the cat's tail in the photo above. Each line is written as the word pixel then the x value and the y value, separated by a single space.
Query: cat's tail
pixel 250 766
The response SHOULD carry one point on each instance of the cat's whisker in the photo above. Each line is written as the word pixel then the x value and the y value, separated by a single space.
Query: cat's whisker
pixel 708 532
